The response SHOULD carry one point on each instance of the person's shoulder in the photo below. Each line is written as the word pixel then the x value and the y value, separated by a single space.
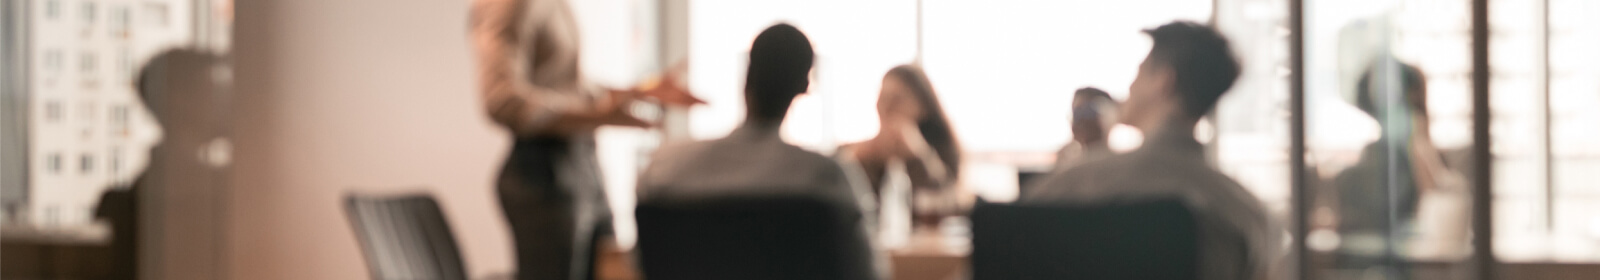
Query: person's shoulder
pixel 812 160
pixel 482 8
pixel 1231 199
pixel 1219 182
pixel 670 159
pixel 818 167
pixel 495 4
pixel 1100 169
pixel 681 149
pixel 1077 182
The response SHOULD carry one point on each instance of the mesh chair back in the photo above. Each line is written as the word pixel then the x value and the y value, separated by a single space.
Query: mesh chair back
pixel 1147 240
pixel 752 238
pixel 405 237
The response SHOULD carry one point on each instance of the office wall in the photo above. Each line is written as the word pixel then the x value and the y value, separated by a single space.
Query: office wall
pixel 354 95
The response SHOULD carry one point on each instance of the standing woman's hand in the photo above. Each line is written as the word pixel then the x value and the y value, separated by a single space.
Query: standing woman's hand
pixel 613 109
pixel 669 91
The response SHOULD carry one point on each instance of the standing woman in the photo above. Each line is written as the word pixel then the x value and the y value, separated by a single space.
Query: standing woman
pixel 915 150
pixel 550 186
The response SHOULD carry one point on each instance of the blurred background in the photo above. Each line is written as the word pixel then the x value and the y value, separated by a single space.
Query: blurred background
pixel 329 98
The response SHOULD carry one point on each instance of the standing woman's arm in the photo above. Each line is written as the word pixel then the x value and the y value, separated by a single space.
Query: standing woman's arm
pixel 502 49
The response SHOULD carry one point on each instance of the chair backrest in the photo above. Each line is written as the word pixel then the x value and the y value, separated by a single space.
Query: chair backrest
pixel 752 238
pixel 1027 178
pixel 1146 240
pixel 405 237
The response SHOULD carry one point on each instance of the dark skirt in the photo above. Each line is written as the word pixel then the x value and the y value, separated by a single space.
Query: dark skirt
pixel 555 205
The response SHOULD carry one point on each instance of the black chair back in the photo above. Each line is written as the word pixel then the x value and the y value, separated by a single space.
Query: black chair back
pixel 1147 240
pixel 752 238
pixel 405 237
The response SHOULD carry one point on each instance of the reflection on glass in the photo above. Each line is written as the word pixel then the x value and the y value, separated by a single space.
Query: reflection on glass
pixel 1387 127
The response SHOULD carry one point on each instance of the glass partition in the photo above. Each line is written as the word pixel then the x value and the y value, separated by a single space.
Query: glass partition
pixel 1388 132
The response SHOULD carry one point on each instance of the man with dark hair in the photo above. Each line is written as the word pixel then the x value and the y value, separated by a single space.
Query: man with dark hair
pixel 1094 114
pixel 779 69
pixel 753 161
pixel 1190 66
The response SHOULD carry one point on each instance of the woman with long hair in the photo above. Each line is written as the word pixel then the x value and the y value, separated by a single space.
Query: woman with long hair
pixel 914 155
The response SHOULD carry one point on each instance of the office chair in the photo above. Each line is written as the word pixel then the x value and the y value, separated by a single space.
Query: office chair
pixel 405 237
pixel 1145 240
pixel 752 238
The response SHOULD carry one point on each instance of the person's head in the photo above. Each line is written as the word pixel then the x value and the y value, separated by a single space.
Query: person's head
pixel 176 76
pixel 1386 76
pixel 780 65
pixel 1094 112
pixel 1189 68
pixel 908 96
pixel 178 88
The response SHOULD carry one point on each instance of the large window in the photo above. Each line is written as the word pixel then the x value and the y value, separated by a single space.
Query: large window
pixel 856 43
pixel 64 149
pixel 1004 71
pixel 1544 141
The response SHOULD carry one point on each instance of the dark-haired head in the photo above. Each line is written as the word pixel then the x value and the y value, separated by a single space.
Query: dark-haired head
pixel 780 65
pixel 907 92
pixel 1093 114
pixel 1386 81
pixel 1189 68
pixel 1087 94
pixel 177 75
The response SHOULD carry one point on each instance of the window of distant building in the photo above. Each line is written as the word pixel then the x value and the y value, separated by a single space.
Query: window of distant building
pixel 120 19
pixel 52 60
pixel 52 9
pixel 86 62
pixel 86 163
pixel 88 12
pixel 157 14
pixel 119 115
pixel 125 64
pixel 54 162
pixel 115 161
pixel 52 111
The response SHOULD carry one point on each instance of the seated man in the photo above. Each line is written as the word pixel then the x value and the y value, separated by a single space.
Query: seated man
pixel 1094 114
pixel 752 160
pixel 1190 66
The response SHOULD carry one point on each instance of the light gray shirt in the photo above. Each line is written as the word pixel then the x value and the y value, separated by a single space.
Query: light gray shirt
pixel 748 161
pixel 1076 153
pixel 1237 240
pixel 754 161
